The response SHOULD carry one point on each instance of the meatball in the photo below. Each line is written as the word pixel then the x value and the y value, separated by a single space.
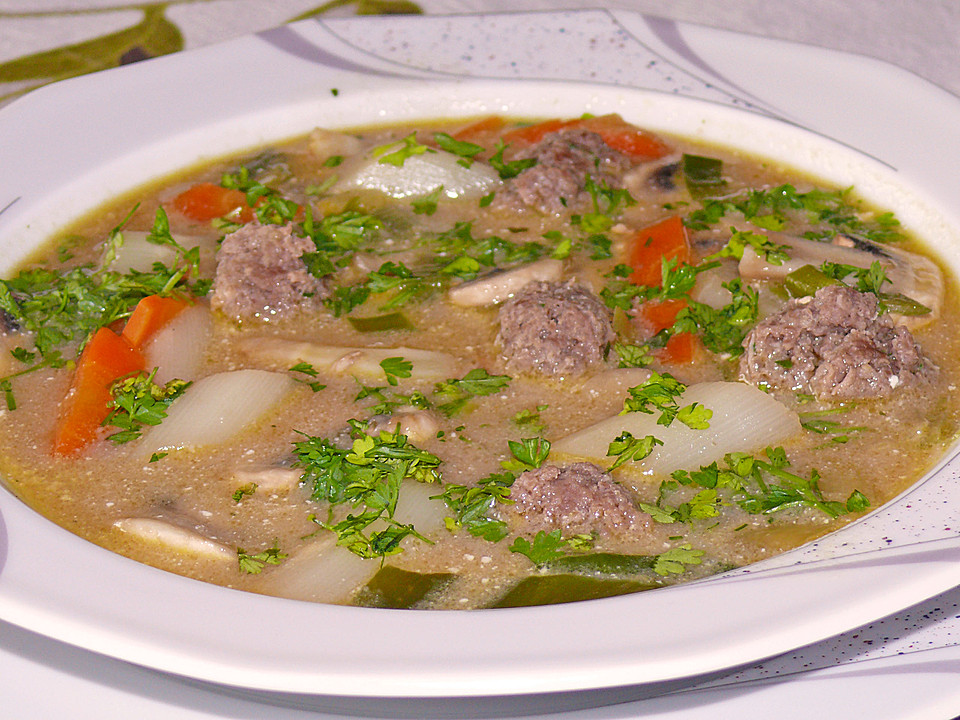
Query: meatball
pixel 557 183
pixel 556 329
pixel 578 498
pixel 834 345
pixel 261 273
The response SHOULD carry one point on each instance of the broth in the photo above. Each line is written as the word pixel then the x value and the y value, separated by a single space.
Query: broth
pixel 425 335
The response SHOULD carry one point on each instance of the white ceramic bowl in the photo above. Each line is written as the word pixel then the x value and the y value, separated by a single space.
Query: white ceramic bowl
pixel 67 148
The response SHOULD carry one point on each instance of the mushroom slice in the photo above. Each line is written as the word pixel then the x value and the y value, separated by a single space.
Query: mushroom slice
pixel 502 284
pixel 362 361
pixel 910 274
pixel 269 479
pixel 175 538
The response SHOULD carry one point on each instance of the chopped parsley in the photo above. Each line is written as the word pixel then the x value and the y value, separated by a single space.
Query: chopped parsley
pixel 138 401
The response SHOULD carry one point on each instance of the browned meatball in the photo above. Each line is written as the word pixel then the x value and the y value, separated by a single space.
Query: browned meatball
pixel 833 344
pixel 556 329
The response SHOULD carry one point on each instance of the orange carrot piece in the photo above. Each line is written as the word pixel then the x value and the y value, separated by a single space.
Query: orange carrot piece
pixel 530 134
pixel 150 315
pixel 628 139
pixel 206 201
pixel 481 130
pixel 681 348
pixel 106 358
pixel 664 239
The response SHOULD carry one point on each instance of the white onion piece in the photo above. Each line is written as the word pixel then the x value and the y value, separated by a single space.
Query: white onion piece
pixel 359 361
pixel 323 572
pixel 745 419
pixel 498 286
pixel 320 572
pixel 175 538
pixel 137 254
pixel 217 407
pixel 709 288
pixel 422 174
pixel 414 507
pixel 177 351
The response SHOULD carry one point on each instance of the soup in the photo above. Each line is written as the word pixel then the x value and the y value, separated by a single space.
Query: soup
pixel 474 364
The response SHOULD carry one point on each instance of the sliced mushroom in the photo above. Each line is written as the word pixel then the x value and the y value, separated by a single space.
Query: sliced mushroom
pixel 427 364
pixel 175 538
pixel 269 479
pixel 417 425
pixel 502 284
pixel 910 274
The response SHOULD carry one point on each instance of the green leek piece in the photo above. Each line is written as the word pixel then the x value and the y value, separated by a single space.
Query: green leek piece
pixel 554 589
pixel 602 564
pixel 381 323
pixel 400 589
pixel 806 280
pixel 702 175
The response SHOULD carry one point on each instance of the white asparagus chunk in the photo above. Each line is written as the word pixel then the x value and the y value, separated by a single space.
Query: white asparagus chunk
pixel 323 572
pixel 136 253
pixel 175 538
pixel 217 407
pixel 421 175
pixel 500 285
pixel 745 419
pixel 178 349
pixel 359 361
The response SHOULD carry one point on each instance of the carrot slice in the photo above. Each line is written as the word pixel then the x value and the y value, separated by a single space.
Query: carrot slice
pixel 535 133
pixel 151 314
pixel 664 239
pixel 628 139
pixel 681 348
pixel 106 358
pixel 615 131
pixel 481 130
pixel 206 201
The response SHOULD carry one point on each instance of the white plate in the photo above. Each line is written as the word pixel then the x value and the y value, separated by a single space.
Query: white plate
pixel 281 83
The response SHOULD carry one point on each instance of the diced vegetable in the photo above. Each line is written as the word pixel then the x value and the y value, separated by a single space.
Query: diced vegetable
pixel 360 361
pixel 481 131
pixel 217 407
pixel 615 131
pixel 621 135
pixel 420 175
pixel 554 589
pixel 664 240
pixel 151 314
pixel 681 348
pixel 106 358
pixel 702 175
pixel 744 419
pixel 136 253
pixel 207 201
pixel 401 589
pixel 320 572
pixel 381 323
pixel 175 538
pixel 177 350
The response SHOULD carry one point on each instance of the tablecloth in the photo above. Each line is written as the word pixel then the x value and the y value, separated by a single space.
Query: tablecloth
pixel 46 40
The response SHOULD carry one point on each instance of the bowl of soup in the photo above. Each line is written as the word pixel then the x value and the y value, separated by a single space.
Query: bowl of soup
pixel 464 388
